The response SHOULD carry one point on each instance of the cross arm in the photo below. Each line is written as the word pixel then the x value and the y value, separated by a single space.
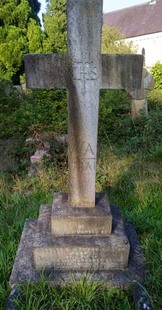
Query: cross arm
pixel 46 70
pixel 121 71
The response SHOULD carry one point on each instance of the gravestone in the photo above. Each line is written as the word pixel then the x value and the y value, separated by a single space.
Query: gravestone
pixel 80 231
pixel 139 104
pixel 84 71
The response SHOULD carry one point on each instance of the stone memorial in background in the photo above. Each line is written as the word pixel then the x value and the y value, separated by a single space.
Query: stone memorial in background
pixel 80 231
pixel 139 104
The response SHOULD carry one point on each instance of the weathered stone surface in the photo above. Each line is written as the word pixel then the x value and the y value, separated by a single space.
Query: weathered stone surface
pixel 94 255
pixel 139 107
pixel 54 71
pixel 46 70
pixel 139 103
pixel 82 252
pixel 141 297
pixel 67 220
pixel 121 71
pixel 83 71
pixel 146 86
pixel 38 156
pixel 11 303
pixel 24 271
pixel 89 246
pixel 84 40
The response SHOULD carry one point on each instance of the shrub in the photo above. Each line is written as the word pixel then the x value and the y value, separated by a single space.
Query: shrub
pixel 114 104
pixel 157 74
pixel 155 99
pixel 39 110
pixel 22 115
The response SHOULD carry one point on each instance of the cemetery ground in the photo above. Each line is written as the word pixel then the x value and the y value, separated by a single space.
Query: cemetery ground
pixel 129 169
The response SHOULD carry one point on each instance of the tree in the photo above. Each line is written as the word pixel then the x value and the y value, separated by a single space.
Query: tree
pixel 113 42
pixel 17 17
pixel 35 37
pixel 55 25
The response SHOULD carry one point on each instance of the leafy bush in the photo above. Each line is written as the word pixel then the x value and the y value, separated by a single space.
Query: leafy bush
pixel 155 99
pixel 39 110
pixel 9 103
pixel 112 104
pixel 129 135
pixel 24 115
pixel 119 130
pixel 157 74
pixel 42 110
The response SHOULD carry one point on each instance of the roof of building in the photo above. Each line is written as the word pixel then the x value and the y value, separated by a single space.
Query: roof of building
pixel 137 20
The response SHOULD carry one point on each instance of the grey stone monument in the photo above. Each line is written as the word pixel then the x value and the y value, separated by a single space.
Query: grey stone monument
pixel 80 231
pixel 139 104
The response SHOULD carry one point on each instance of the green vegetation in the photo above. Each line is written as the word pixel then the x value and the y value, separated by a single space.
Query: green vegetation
pixel 129 159
pixel 129 169
pixel 16 20
pixel 113 42
pixel 76 296
pixel 157 74
pixel 55 27
pixel 21 33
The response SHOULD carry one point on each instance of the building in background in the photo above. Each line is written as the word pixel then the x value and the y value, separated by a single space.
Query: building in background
pixel 141 24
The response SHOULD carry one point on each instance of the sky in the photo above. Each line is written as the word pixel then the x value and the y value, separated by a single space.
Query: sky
pixel 108 5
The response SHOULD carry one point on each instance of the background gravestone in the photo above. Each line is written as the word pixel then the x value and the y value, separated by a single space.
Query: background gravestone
pixel 139 104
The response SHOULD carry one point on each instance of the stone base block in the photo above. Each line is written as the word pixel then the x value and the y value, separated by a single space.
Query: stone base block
pixel 24 268
pixel 79 252
pixel 82 253
pixel 79 258
pixel 66 220
pixel 139 107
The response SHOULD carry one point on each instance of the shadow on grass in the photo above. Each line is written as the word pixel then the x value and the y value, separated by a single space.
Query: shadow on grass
pixel 138 194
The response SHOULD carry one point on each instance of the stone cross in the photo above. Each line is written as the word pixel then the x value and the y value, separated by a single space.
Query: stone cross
pixel 83 71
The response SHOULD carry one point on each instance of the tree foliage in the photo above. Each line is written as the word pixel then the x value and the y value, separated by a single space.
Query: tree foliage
pixel 20 33
pixel 35 37
pixel 157 74
pixel 55 25
pixel 113 42
pixel 17 19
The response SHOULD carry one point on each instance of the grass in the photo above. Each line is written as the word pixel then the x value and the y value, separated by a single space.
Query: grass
pixel 77 296
pixel 130 169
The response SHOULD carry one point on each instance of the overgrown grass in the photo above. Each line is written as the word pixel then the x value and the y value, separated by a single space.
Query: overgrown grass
pixel 130 169
pixel 81 295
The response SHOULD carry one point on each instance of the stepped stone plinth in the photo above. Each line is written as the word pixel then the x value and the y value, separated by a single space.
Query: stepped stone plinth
pixel 125 260
pixel 79 248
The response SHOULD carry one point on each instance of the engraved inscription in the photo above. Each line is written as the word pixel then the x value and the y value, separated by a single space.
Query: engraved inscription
pixel 84 164
pixel 86 160
pixel 84 71
pixel 86 149
pixel 89 150
pixel 82 258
